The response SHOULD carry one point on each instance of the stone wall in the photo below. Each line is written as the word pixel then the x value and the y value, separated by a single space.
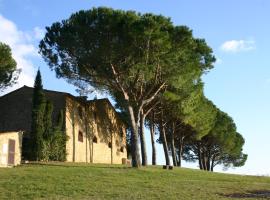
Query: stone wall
pixel 104 136
pixel 4 141
pixel 77 149
pixel 109 131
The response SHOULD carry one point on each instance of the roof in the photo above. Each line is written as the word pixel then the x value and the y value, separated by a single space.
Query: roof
pixel 110 104
pixel 6 132
pixel 76 98
pixel 45 90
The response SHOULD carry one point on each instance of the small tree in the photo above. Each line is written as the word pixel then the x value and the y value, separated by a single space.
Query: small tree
pixel 8 72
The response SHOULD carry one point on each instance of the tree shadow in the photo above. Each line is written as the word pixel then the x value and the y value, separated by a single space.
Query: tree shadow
pixel 260 194
pixel 74 165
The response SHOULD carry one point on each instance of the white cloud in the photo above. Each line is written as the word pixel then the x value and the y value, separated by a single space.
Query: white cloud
pixel 39 33
pixel 238 45
pixel 22 48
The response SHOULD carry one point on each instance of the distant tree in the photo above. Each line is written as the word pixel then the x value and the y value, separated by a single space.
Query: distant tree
pixel 38 112
pixel 235 156
pixel 222 146
pixel 8 72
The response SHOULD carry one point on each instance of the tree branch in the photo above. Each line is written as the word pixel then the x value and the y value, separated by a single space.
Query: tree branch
pixel 116 77
pixel 146 101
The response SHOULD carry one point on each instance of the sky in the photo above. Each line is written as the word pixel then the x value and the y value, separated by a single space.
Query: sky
pixel 237 31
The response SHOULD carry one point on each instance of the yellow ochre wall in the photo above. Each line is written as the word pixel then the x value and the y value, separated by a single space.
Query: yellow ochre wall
pixel 76 151
pixel 100 121
pixel 4 138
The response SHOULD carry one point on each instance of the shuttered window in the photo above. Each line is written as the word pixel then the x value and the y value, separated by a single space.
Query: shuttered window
pixel 80 136
pixel 95 139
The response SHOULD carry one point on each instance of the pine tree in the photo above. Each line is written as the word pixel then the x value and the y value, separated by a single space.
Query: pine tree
pixel 38 110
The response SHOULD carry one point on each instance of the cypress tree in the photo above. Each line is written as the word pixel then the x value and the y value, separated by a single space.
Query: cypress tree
pixel 48 132
pixel 38 110
pixel 48 127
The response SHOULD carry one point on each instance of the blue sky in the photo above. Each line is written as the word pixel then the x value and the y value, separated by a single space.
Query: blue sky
pixel 238 31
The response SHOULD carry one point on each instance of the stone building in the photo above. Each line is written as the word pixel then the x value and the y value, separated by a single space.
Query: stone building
pixel 95 132
pixel 10 148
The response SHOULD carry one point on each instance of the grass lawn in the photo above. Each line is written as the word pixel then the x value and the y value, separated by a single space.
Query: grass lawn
pixel 82 181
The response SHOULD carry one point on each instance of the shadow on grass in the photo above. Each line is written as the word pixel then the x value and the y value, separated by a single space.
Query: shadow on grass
pixel 261 194
pixel 72 165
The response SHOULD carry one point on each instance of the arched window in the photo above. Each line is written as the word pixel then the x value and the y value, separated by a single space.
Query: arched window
pixel 110 145
pixel 95 139
pixel 122 149
pixel 80 136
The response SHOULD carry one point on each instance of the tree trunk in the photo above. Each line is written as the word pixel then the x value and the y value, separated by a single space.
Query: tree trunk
pixel 180 150
pixel 173 146
pixel 164 142
pixel 152 131
pixel 204 161
pixel 135 154
pixel 212 164
pixel 142 138
pixel 200 157
pixel 208 162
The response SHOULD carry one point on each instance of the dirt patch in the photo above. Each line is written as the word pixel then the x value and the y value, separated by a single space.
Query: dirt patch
pixel 261 194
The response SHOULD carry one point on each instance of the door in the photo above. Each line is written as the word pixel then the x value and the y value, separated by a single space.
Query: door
pixel 11 152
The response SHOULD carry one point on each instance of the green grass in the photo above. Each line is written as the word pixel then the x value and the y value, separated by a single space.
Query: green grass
pixel 81 181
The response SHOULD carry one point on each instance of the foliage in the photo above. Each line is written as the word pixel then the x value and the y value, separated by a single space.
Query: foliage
pixel 47 141
pixel 222 145
pixel 55 143
pixel 8 72
pixel 145 63
pixel 124 53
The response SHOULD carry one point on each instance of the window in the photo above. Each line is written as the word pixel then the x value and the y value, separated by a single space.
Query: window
pixel 80 112
pixel 80 136
pixel 110 145
pixel 122 149
pixel 121 133
pixel 95 139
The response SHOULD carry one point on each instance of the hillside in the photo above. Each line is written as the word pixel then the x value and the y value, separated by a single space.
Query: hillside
pixel 81 181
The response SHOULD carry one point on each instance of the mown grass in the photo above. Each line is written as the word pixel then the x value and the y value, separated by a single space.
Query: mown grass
pixel 82 181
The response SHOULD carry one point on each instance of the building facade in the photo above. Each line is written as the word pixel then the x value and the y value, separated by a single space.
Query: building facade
pixel 95 132
pixel 10 148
